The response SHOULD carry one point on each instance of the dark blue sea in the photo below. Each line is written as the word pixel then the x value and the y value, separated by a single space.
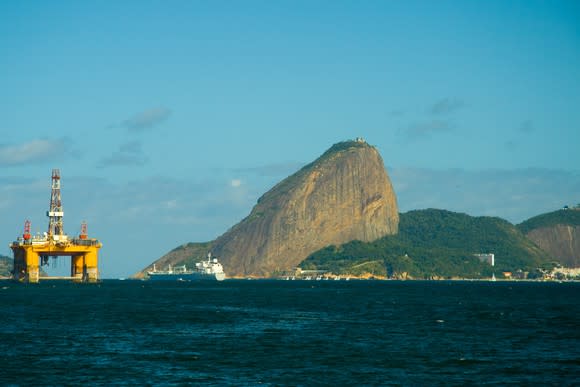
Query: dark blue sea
pixel 290 333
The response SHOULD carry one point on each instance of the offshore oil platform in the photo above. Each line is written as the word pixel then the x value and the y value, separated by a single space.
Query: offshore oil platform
pixel 31 252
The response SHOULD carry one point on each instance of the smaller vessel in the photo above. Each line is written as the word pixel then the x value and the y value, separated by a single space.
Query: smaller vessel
pixel 210 270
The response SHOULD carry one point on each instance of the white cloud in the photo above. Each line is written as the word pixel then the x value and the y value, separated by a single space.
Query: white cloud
pixel 147 119
pixel 236 183
pixel 34 151
pixel 170 204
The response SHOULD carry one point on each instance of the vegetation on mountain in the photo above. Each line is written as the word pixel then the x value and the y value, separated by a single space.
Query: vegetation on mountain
pixel 570 217
pixel 6 264
pixel 433 244
pixel 193 252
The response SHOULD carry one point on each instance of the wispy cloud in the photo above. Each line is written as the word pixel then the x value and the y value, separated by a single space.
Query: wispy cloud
pixel 446 105
pixel 425 129
pixel 146 119
pixel 526 127
pixel 34 151
pixel 129 154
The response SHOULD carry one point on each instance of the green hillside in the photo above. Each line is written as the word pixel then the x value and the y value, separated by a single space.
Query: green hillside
pixel 5 266
pixel 191 253
pixel 569 217
pixel 435 243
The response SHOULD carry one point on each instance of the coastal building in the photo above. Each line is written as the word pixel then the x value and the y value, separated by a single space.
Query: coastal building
pixel 564 273
pixel 488 258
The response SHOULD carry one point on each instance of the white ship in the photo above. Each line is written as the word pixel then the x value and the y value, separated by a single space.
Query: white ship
pixel 210 270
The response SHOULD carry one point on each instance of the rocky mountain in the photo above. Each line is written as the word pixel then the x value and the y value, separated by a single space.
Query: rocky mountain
pixel 558 233
pixel 343 195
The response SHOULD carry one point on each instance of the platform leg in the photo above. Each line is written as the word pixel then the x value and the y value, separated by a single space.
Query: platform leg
pixel 32 270
pixel 77 263
pixel 91 267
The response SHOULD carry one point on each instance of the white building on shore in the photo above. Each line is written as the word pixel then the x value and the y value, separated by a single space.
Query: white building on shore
pixel 488 258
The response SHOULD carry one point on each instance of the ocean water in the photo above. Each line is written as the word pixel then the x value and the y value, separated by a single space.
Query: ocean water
pixel 295 333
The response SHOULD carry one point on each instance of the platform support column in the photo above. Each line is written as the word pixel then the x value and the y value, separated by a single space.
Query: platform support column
pixel 19 270
pixel 91 267
pixel 32 270
pixel 77 263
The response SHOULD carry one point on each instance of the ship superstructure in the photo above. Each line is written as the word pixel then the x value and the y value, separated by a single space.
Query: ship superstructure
pixel 210 269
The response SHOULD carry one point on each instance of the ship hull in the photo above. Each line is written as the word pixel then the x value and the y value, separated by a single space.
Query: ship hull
pixel 186 277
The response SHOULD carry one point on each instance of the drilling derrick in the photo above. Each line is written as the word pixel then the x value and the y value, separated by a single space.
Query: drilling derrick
pixel 31 252
pixel 55 213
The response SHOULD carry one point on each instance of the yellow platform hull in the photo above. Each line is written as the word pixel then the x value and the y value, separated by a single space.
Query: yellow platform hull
pixel 84 259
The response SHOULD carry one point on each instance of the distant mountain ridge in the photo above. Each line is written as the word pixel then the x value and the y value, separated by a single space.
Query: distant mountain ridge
pixel 558 233
pixel 343 195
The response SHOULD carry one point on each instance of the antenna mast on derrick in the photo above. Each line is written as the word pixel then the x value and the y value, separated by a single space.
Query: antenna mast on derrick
pixel 55 213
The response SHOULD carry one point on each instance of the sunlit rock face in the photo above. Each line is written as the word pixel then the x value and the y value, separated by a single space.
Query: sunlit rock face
pixel 342 196
pixel 561 240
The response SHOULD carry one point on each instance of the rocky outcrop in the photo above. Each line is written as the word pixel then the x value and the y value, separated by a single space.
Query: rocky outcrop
pixel 342 196
pixel 557 233
pixel 561 241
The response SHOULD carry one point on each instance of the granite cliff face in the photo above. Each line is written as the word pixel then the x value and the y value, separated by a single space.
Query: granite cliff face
pixel 557 233
pixel 562 241
pixel 344 195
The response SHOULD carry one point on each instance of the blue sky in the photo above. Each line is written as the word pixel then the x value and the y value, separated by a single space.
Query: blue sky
pixel 168 119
